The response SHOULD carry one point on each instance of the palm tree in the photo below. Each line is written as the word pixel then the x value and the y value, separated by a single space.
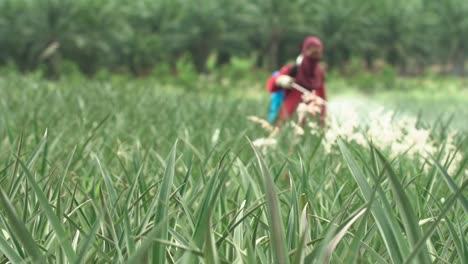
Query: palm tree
pixel 197 29
pixel 343 26
pixel 452 31
pixel 272 21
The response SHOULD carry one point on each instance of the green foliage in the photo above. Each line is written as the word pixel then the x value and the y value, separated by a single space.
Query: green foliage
pixel 84 179
pixel 138 36
pixel 186 73
pixel 385 79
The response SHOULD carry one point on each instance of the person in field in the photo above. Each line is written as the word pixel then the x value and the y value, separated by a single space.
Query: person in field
pixel 307 73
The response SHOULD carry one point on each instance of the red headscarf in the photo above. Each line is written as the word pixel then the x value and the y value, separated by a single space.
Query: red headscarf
pixel 308 72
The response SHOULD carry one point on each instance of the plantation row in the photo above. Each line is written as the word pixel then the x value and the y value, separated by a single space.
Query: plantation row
pixel 100 173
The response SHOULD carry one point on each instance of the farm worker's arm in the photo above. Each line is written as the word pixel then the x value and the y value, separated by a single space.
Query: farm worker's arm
pixel 272 83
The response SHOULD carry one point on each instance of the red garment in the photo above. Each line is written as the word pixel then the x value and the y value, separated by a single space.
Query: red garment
pixel 309 75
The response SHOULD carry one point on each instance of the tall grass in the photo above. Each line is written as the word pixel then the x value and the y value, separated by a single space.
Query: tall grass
pixel 91 173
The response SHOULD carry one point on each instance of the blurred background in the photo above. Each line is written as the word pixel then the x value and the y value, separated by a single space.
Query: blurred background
pixel 412 37
pixel 407 54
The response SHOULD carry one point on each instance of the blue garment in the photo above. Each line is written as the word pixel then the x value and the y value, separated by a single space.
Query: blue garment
pixel 276 101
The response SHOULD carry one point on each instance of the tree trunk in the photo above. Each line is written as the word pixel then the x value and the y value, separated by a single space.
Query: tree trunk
pixel 259 60
pixel 24 58
pixel 223 58
pixel 273 54
pixel 53 67
pixel 393 57
pixel 261 56
pixel 132 65
pixel 459 68
pixel 331 58
pixel 200 57
pixel 369 59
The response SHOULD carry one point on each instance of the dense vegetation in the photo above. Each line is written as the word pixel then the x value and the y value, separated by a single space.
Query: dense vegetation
pixel 85 179
pixel 178 166
pixel 135 36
